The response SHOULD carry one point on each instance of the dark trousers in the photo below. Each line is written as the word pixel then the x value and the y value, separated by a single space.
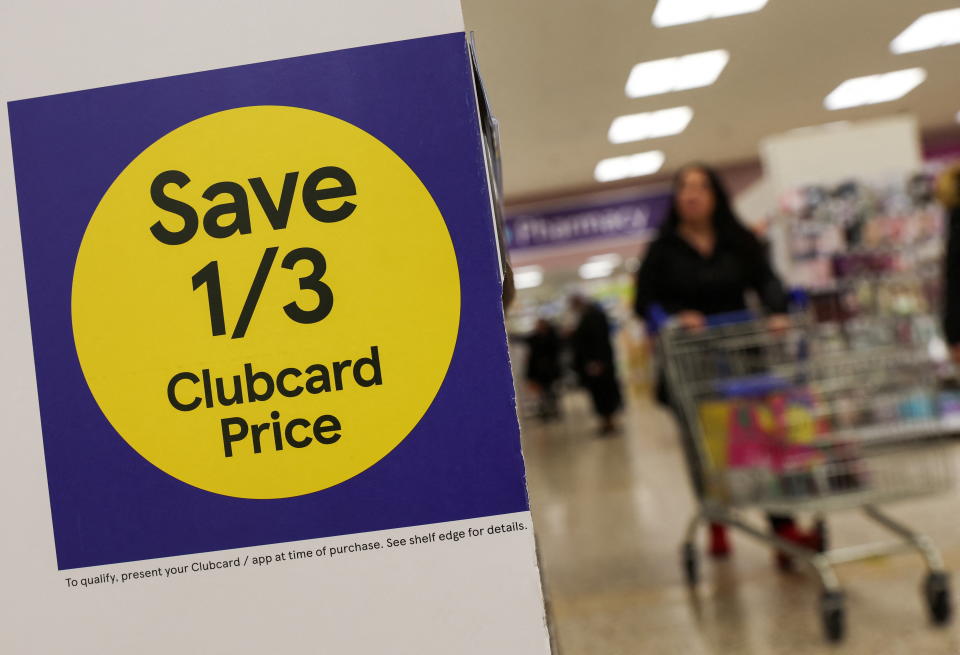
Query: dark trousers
pixel 549 401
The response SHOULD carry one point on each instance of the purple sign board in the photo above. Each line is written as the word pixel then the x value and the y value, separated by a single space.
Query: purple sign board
pixel 110 502
pixel 635 218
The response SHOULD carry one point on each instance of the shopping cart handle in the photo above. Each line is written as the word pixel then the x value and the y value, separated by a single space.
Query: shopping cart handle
pixel 730 318
pixel 798 299
pixel 657 318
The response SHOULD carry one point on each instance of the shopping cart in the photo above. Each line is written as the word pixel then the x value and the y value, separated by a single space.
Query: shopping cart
pixel 814 418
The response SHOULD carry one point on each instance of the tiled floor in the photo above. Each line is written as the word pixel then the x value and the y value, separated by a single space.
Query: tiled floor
pixel 610 514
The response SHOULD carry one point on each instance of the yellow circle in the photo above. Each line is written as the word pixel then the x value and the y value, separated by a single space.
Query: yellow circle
pixel 145 312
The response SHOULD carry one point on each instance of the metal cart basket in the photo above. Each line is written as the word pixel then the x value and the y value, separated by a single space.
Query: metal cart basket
pixel 812 418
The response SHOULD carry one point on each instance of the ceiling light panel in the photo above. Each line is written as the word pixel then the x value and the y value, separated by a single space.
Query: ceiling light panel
pixel 874 89
pixel 932 30
pixel 651 78
pixel 527 277
pixel 611 259
pixel 619 168
pixel 679 12
pixel 595 270
pixel 649 125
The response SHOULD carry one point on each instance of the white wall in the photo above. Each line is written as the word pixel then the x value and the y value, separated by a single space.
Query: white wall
pixel 838 152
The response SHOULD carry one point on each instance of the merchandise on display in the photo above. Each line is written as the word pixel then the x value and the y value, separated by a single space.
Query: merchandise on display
pixel 866 248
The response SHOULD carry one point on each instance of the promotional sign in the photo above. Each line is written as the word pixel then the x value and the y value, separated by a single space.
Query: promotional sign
pixel 265 308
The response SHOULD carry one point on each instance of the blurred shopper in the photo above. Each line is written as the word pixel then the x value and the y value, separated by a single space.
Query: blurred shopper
pixel 948 192
pixel 593 360
pixel 543 367
pixel 703 262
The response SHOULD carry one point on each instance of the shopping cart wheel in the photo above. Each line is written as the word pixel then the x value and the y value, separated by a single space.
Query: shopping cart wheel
pixel 821 536
pixel 833 616
pixel 691 564
pixel 937 590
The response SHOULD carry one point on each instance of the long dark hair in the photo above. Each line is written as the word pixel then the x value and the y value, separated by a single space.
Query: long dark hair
pixel 726 223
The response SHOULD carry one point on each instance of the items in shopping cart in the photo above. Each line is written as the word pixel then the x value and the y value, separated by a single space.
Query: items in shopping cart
pixel 766 438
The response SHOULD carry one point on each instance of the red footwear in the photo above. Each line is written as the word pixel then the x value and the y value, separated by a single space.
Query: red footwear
pixel 789 532
pixel 719 544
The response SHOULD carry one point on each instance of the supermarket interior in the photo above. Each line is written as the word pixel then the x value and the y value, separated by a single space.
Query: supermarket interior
pixel 727 226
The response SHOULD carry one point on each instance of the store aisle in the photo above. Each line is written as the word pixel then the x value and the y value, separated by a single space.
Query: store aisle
pixel 609 516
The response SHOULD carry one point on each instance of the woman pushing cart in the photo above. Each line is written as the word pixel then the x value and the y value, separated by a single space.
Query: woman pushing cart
pixel 787 415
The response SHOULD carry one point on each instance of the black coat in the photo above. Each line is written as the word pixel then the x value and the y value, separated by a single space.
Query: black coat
pixel 591 340
pixel 591 344
pixel 543 362
pixel 677 277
